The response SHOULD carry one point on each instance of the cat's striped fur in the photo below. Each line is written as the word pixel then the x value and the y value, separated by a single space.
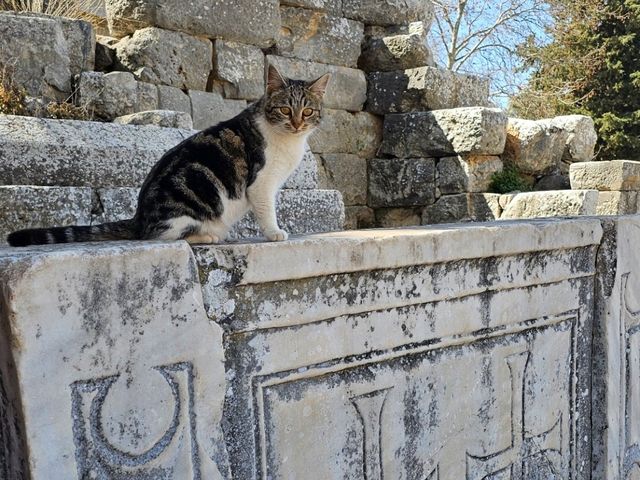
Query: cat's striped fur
pixel 199 189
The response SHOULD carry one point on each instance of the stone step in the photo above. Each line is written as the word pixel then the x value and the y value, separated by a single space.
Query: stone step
pixel 44 152
pixel 552 203
pixel 40 206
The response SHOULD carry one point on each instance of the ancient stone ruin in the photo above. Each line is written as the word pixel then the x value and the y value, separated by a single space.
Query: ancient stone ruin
pixel 506 349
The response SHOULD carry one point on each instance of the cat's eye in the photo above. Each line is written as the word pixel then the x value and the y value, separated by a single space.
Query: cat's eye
pixel 285 110
pixel 307 112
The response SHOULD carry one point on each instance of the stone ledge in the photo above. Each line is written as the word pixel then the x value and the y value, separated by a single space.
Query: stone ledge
pixel 614 175
pixel 551 203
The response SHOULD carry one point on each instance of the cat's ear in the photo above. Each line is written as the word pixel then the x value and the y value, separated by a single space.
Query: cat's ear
pixel 319 86
pixel 275 80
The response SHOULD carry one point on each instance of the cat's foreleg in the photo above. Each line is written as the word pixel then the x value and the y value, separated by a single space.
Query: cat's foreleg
pixel 262 197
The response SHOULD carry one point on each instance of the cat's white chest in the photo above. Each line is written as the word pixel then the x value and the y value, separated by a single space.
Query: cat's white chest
pixel 283 154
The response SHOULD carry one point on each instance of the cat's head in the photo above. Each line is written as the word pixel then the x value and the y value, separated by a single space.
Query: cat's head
pixel 294 106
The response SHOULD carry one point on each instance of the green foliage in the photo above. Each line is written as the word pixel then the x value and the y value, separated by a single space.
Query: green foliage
pixel 509 180
pixel 591 67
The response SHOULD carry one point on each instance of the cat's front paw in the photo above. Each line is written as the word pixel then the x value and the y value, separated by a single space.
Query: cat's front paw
pixel 276 235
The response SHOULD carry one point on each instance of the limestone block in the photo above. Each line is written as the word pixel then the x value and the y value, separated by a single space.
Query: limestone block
pixel 346 173
pixel 160 118
pixel 389 12
pixel 343 132
pixel 474 131
pixel 306 175
pixel 132 366
pixel 617 203
pixel 465 207
pixel 147 97
pixel 74 153
pixel 107 95
pixel 249 21
pixel 612 175
pixel 467 173
pixel 397 217
pixel 401 182
pixel 559 203
pixel 424 88
pixel 334 7
pixel 81 44
pixel 319 37
pixel 241 67
pixel 581 138
pixel 171 98
pixel 398 51
pixel 169 58
pixel 358 217
pixel 347 88
pixel 114 203
pixel 299 212
pixel 534 146
pixel 209 108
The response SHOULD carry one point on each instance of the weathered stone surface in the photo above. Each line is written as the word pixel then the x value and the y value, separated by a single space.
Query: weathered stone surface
pixel 617 203
pixel 250 21
pixel 468 173
pixel 107 95
pixel 160 118
pixel 389 12
pixel 306 175
pixel 401 182
pixel 346 173
pixel 469 207
pixel 581 138
pixel 424 88
pixel 343 132
pixel 397 217
pixel 319 37
pixel 69 152
pixel 209 108
pixel 132 356
pixel 81 44
pixel 534 146
pixel 347 88
pixel 147 97
pixel 334 7
pixel 113 204
pixel 358 217
pixel 397 51
pixel 559 203
pixel 476 131
pixel 171 98
pixel 241 68
pixel 164 57
pixel 613 175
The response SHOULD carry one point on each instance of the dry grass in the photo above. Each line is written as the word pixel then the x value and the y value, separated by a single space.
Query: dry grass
pixel 12 97
pixel 82 9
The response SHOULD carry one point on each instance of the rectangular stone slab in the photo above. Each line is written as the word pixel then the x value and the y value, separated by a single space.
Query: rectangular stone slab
pixel 614 175
pixel 552 203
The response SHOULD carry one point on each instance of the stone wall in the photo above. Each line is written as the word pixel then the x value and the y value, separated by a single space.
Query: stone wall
pixel 449 353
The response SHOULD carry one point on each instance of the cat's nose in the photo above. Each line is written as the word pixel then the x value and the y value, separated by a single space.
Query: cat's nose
pixel 296 124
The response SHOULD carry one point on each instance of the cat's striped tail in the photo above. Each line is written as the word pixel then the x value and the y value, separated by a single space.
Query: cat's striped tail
pixel 122 230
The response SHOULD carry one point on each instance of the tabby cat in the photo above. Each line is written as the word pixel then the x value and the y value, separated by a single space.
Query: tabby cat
pixel 199 189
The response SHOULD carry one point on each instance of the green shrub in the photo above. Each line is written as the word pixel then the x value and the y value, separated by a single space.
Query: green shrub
pixel 509 180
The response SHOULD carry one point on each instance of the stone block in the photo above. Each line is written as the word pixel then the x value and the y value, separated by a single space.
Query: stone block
pixel 114 203
pixel 306 175
pixel 441 133
pixel 424 88
pixel 623 175
pixel 247 21
pixel 132 366
pixel 389 12
pixel 465 207
pixel 468 173
pixel 74 153
pixel 107 95
pixel 397 51
pixel 559 203
pixel 346 173
pixel 171 98
pixel 319 37
pixel 147 97
pixel 581 138
pixel 241 68
pixel 397 217
pixel 160 118
pixel 343 132
pixel 164 57
pixel 334 7
pixel 617 203
pixel 81 44
pixel 209 108
pixel 534 146
pixel 401 182
pixel 347 88
pixel 358 217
